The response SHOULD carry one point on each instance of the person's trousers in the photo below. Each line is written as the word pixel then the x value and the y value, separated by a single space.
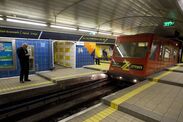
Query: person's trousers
pixel 24 72
pixel 97 61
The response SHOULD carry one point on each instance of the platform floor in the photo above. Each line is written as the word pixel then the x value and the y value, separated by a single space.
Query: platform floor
pixel 69 73
pixel 171 76
pixel 179 69
pixel 151 101
pixel 102 67
pixel 44 79
pixel 115 116
pixel 104 61
pixel 179 64
pixel 9 85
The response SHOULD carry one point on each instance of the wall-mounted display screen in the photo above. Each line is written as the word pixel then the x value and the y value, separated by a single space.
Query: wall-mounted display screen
pixel 6 55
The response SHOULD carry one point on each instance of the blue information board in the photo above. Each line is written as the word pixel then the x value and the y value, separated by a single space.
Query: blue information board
pixel 6 55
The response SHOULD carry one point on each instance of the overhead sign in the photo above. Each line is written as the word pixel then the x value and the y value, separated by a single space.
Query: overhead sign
pixel 168 23
pixel 18 33
pixel 59 36
pixel 22 33
pixel 93 39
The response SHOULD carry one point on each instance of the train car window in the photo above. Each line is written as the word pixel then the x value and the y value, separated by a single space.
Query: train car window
pixel 167 53
pixel 161 53
pixel 174 54
pixel 153 51
pixel 116 52
pixel 131 49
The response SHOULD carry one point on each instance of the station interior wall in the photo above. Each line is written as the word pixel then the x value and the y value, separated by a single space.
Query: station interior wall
pixel 64 53
pixel 42 56
pixel 100 48
pixel 85 53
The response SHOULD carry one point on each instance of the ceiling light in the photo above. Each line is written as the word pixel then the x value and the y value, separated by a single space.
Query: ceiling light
pixel 104 33
pixel 180 2
pixel 90 31
pixel 116 35
pixel 26 22
pixel 63 27
pixel 1 18
pixel 119 50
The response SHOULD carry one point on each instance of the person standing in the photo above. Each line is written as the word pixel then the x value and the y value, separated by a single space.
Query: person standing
pixel 104 53
pixel 97 60
pixel 23 56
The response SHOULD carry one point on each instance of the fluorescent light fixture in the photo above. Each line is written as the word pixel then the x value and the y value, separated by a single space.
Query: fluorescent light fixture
pixel 26 22
pixel 104 33
pixel 116 34
pixel 180 2
pixel 1 18
pixel 63 27
pixel 90 31
pixel 119 50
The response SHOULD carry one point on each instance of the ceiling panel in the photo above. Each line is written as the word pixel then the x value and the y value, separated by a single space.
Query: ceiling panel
pixel 127 16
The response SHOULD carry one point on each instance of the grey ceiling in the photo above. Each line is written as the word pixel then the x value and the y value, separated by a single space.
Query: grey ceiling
pixel 118 16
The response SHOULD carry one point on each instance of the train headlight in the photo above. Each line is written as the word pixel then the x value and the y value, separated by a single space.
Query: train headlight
pixel 120 78
pixel 135 80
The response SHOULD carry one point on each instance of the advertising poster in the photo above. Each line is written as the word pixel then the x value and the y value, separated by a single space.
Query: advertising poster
pixel 6 55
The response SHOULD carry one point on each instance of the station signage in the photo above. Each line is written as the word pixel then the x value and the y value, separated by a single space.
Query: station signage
pixel 93 39
pixel 18 33
pixel 168 23
pixel 33 34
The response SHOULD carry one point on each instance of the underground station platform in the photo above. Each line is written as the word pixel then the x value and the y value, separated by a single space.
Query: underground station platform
pixel 157 99
pixel 45 88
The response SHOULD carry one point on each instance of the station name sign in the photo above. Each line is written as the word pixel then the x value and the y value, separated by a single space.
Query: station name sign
pixel 18 33
pixel 33 34
pixel 93 39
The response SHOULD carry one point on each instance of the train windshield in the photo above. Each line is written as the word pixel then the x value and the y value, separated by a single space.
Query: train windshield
pixel 131 49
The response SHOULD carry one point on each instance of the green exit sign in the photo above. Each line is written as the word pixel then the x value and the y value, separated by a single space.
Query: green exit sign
pixel 168 23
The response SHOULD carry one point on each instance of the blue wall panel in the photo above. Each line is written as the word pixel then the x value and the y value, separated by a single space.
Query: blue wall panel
pixel 83 57
pixel 42 55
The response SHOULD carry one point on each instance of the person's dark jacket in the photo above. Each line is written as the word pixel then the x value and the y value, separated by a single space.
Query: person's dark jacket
pixel 23 57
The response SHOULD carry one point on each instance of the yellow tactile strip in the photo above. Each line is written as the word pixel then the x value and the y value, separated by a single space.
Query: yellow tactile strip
pixel 101 67
pixel 24 86
pixel 101 115
pixel 116 102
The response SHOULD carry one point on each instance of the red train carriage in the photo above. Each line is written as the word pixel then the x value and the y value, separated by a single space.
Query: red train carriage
pixel 138 56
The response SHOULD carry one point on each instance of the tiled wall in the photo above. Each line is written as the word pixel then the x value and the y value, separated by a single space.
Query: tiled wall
pixel 64 53
pixel 42 55
pixel 83 57
pixel 100 48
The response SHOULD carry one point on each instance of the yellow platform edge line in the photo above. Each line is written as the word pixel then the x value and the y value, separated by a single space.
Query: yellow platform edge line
pixel 25 86
pixel 116 102
pixel 101 115
pixel 175 67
